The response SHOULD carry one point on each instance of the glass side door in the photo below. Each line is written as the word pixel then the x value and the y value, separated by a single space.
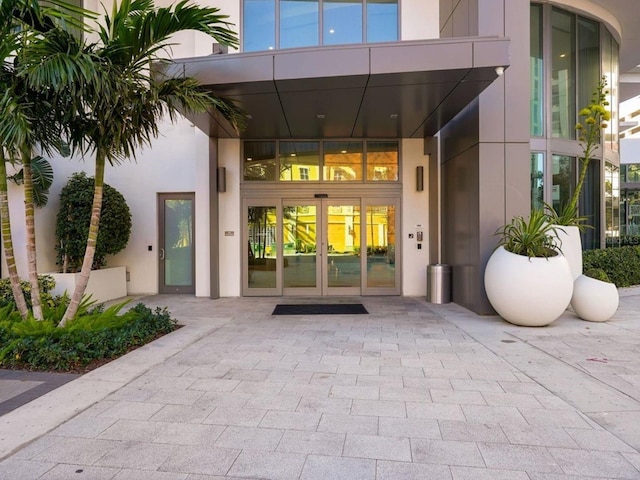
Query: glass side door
pixel 341 247
pixel 381 232
pixel 176 234
pixel 262 263
pixel 301 273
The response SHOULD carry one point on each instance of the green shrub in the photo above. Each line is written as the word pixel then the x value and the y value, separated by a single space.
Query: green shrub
pixel 95 335
pixel 72 223
pixel 46 283
pixel 622 265
pixel 597 274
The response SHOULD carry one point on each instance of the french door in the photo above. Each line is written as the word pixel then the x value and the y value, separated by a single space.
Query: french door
pixel 342 246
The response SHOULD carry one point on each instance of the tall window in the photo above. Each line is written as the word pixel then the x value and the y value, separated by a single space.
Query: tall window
pixel 612 204
pixel 537 73
pixel 537 180
pixel 563 96
pixel 304 23
pixel 564 180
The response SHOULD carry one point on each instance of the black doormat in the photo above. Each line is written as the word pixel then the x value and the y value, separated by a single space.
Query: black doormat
pixel 320 309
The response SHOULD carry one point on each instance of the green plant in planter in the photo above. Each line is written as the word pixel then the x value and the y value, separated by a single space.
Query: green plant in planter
pixel 595 117
pixel 72 223
pixel 598 274
pixel 534 237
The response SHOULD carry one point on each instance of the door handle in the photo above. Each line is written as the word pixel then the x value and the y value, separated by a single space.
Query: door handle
pixel 162 254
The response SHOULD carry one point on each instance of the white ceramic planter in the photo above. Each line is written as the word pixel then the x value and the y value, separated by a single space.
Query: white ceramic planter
pixel 569 241
pixel 104 284
pixel 530 292
pixel 594 300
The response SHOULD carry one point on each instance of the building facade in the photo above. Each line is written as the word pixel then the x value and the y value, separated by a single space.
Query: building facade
pixel 383 136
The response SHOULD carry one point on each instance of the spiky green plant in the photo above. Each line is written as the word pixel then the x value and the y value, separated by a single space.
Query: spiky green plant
pixel 532 237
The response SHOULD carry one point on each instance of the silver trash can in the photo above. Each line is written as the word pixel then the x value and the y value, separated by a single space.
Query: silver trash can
pixel 438 283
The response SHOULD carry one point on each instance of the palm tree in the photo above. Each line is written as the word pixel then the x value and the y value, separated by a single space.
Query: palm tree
pixel 32 110
pixel 133 35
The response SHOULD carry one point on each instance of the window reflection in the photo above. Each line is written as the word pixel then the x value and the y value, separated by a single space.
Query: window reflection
pixel 563 101
pixel 342 20
pixel 298 23
pixel 382 20
pixel 299 161
pixel 259 161
pixel 259 25
pixel 382 161
pixel 537 181
pixel 342 161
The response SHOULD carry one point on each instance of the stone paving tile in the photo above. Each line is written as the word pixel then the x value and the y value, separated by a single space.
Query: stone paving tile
pixel 333 379
pixel 437 411
pixel 363 425
pixel 223 399
pixel 355 392
pixel 259 387
pixel 472 473
pixel 84 451
pixel 175 397
pixel 378 448
pixel 189 434
pixel 137 455
pixel 306 390
pixel 409 427
pixel 84 427
pixel 133 430
pixel 467 384
pixel 493 415
pixel 446 452
pixel 17 469
pixel 182 413
pixel 587 463
pixel 375 381
pixel 198 459
pixel 276 465
pixel 132 410
pixel 241 417
pixel 317 443
pixel 471 432
pixel 558 476
pixel 67 471
pixel 131 474
pixel 519 400
pixel 324 405
pixel 405 394
pixel 554 418
pixel 458 397
pixel 214 385
pixel 599 440
pixel 427 383
pixel 250 438
pixel 336 468
pixel 518 457
pixel 291 420
pixel 538 436
pixel 378 408
pixel 411 471
pixel 273 402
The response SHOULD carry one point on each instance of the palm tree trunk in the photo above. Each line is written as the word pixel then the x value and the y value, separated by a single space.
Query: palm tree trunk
pixel 29 218
pixel 7 241
pixel 92 239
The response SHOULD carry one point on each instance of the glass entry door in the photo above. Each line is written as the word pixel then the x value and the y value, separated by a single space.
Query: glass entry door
pixel 321 247
pixel 176 249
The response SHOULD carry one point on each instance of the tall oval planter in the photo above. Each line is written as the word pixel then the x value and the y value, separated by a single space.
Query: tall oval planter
pixel 530 292
pixel 594 300
pixel 570 243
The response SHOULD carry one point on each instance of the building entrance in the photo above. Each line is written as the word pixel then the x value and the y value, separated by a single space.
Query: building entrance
pixel 321 246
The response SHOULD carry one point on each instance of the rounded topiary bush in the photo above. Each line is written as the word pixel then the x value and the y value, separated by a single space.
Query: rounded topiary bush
pixel 72 223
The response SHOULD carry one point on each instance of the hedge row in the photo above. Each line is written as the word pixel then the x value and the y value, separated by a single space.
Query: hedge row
pixel 96 336
pixel 622 264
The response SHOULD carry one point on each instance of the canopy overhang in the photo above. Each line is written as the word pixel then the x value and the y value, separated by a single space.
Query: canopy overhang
pixel 391 90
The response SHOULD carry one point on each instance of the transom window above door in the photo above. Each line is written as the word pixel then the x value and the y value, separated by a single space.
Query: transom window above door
pixel 275 24
pixel 316 161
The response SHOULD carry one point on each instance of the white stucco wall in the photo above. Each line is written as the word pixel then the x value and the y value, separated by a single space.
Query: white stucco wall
pixel 415 217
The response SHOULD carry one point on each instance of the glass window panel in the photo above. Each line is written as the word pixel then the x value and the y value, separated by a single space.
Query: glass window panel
pixel 343 254
pixel 612 204
pixel 588 60
pixel 259 25
pixel 342 22
pixel 299 246
pixel 563 101
pixel 382 161
pixel 259 163
pixel 589 206
pixel 381 246
pixel 299 24
pixel 178 240
pixel 537 73
pixel 342 161
pixel 299 161
pixel 382 21
pixel 564 180
pixel 612 86
pixel 537 181
pixel 262 246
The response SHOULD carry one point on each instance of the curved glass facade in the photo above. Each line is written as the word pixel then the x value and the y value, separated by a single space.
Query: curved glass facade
pixel 569 54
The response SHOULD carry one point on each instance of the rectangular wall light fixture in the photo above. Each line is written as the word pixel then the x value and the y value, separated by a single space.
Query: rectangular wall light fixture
pixel 419 178
pixel 222 179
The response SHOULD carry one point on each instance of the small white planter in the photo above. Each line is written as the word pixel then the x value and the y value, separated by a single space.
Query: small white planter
pixel 530 292
pixel 569 241
pixel 594 300
pixel 104 284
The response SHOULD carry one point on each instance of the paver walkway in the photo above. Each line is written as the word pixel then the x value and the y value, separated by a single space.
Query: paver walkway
pixel 410 391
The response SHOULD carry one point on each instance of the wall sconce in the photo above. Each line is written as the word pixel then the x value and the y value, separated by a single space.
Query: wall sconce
pixel 222 179
pixel 419 178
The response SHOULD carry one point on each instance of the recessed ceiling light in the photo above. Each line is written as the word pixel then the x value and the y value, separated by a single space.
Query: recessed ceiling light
pixel 393 115
pixel 562 55
pixel 293 154
pixel 249 159
pixel 331 30
pixel 320 116
pixel 249 117
pixel 343 151
pixel 270 47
